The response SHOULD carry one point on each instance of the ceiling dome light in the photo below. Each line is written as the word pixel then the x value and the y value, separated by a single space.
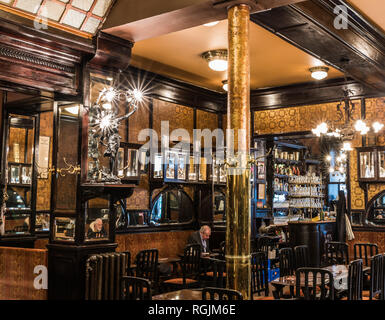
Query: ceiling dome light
pixel 319 73
pixel 210 24
pixel 217 59
pixel 225 85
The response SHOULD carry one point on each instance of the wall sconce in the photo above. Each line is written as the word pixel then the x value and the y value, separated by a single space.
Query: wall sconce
pixel 225 85
pixel 217 59
pixel 71 169
pixel 319 73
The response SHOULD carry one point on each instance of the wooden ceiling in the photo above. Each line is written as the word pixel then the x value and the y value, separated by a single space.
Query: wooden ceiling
pixel 273 61
pixel 373 10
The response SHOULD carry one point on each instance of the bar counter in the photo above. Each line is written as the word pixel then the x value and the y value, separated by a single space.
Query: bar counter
pixel 313 234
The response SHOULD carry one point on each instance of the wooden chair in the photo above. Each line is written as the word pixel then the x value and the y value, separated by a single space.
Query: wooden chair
pixel 355 280
pixel 319 286
pixel 259 277
pixel 211 293
pixel 191 269
pixel 266 244
pixel 286 262
pixel 376 278
pixel 147 266
pixel 365 251
pixel 135 288
pixel 217 276
pixel 337 253
pixel 301 255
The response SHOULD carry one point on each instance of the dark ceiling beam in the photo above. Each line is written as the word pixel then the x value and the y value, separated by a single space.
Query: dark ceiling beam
pixel 359 50
pixel 139 20
pixel 309 93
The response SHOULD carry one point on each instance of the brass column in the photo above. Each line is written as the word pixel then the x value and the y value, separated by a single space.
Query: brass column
pixel 238 218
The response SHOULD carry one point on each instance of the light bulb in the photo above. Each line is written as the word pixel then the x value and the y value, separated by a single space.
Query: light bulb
pixel 328 158
pixel 110 94
pixel 331 170
pixel 319 73
pixel 138 95
pixel 377 126
pixel 218 65
pixel 347 146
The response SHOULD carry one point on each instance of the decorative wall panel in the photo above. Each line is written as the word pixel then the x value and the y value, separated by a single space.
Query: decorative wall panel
pixel 179 117
pixel 17 273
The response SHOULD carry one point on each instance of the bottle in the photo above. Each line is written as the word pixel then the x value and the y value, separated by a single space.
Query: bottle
pixel 322 215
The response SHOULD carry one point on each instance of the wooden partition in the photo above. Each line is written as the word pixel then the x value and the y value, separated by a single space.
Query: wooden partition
pixel 17 273
pixel 168 243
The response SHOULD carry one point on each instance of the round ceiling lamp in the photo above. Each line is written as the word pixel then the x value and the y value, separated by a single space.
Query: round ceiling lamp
pixel 225 85
pixel 319 73
pixel 217 59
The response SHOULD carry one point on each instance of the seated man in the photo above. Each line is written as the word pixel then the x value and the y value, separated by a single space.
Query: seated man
pixel 201 237
pixel 96 230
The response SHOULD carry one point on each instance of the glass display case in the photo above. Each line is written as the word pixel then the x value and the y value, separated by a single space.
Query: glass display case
pixel 366 165
pixel 371 164
pixel 203 169
pixel 381 163
pixel 97 219
pixel 42 222
pixel 20 158
pixel 170 164
pixel 182 166
pixel 64 229
pixel 192 171
pixel 158 166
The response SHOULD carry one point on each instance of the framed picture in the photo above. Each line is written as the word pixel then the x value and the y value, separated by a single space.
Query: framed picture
pixel 43 158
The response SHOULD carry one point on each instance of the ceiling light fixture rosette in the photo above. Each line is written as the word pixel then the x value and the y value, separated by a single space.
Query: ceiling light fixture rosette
pixel 217 59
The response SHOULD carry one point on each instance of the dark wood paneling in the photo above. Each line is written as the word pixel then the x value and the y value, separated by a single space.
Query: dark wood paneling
pixel 358 50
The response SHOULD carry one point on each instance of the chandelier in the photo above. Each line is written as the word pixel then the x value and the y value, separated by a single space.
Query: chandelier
pixel 350 126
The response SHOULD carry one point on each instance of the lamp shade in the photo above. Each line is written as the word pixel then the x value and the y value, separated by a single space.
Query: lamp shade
pixel 217 59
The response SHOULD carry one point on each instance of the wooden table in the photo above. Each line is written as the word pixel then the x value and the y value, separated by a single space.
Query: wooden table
pixel 340 278
pixel 185 294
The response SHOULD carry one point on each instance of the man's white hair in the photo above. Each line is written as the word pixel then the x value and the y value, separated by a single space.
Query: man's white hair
pixel 204 228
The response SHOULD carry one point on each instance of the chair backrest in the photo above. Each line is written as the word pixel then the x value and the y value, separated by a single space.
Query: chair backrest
pixel 147 264
pixel 266 244
pixel 286 262
pixel 259 274
pixel 135 288
pixel 219 272
pixel 301 254
pixel 365 251
pixel 211 293
pixel 376 276
pixel 309 280
pixel 355 280
pixel 191 261
pixel 337 253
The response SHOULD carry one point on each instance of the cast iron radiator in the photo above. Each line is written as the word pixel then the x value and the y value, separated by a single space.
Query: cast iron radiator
pixel 103 274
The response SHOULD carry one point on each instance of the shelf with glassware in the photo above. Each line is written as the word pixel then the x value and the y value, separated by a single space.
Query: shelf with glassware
pixel 287 162
pixel 371 164
pixel 131 162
